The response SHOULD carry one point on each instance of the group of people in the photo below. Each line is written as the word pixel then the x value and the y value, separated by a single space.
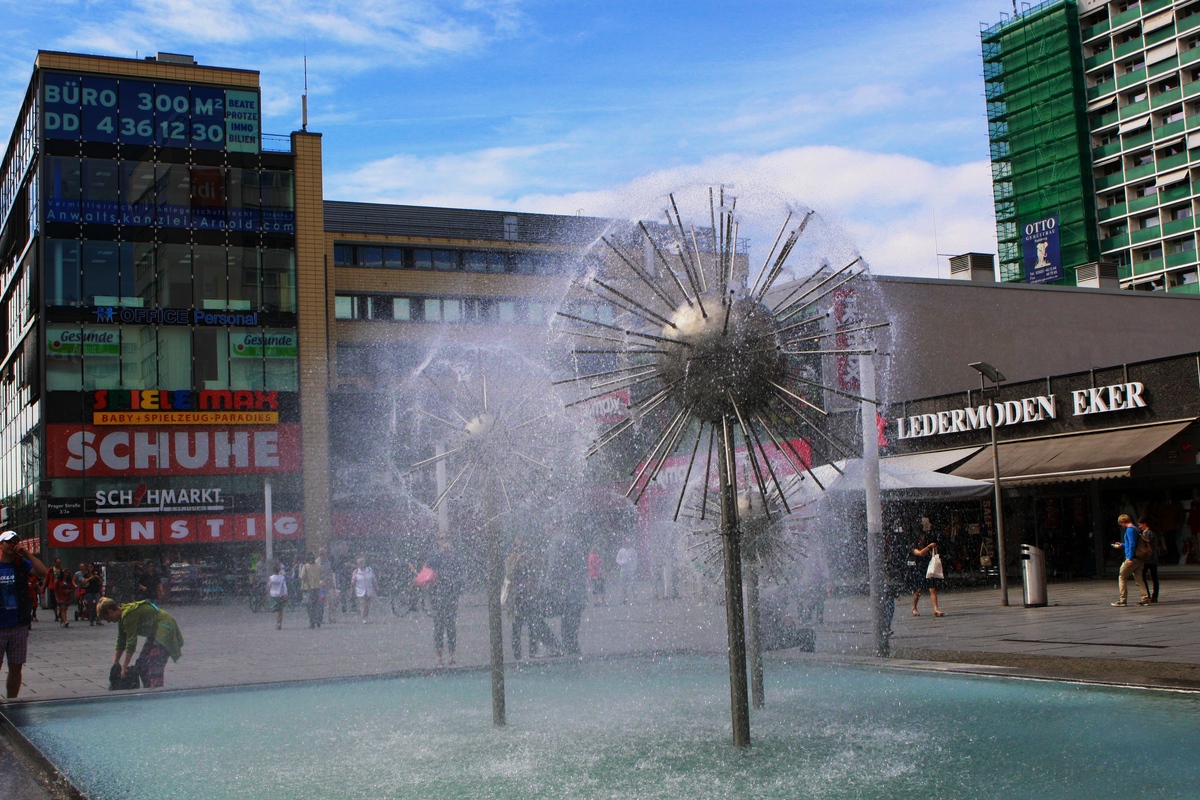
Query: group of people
pixel 543 586
pixel 1142 548
pixel 907 562
pixel 62 588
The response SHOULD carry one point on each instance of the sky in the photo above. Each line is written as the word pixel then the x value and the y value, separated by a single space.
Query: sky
pixel 869 111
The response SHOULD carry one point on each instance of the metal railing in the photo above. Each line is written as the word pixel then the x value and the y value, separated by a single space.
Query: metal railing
pixel 276 143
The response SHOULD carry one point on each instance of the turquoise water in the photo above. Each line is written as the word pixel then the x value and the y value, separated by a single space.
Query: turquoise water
pixel 635 729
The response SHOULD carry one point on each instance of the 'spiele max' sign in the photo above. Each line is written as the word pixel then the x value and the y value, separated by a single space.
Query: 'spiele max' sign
pixel 1097 400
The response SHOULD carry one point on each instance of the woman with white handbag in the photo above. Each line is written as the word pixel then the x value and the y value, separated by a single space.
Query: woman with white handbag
pixel 931 578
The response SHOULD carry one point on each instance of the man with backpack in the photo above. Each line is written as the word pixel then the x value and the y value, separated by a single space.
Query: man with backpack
pixel 1133 561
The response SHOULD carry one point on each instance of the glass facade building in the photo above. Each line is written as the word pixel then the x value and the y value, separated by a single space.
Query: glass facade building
pixel 151 352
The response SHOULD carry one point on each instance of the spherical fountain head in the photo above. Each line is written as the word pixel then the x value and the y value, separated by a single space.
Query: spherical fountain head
pixel 727 354
pixel 480 426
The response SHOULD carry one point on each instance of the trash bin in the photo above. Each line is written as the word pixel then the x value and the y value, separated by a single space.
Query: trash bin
pixel 1033 575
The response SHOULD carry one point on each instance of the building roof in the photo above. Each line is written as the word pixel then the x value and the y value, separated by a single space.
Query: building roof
pixel 458 223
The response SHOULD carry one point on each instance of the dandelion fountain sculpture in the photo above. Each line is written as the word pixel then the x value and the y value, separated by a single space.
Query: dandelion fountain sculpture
pixel 707 350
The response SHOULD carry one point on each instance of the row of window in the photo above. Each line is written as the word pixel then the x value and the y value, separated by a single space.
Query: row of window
pixel 383 257
pixel 102 191
pixel 440 309
pixel 146 274
pixel 87 357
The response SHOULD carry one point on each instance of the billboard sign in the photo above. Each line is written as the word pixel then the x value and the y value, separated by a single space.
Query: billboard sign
pixel 172 529
pixel 1040 248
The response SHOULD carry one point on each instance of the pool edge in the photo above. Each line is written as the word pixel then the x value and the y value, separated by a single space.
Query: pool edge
pixel 57 784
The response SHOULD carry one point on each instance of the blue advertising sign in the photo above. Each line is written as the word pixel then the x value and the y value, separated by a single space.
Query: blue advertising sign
pixel 142 113
pixel 1039 246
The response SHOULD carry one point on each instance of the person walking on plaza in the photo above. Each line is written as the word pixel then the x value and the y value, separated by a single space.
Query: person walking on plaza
pixel 277 590
pixel 1132 567
pixel 312 577
pixel 1152 548
pixel 64 591
pixel 596 577
pixel 16 607
pixel 443 596
pixel 925 548
pixel 143 618
pixel 362 583
pixel 627 562
pixel 93 588
pixel 329 586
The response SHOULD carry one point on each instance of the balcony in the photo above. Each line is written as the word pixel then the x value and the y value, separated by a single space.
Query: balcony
pixel 1150 6
pixel 1092 31
pixel 1160 35
pixel 1146 235
pixel 1187 23
pixel 1181 259
pixel 1132 46
pixel 1111 212
pixel 1146 267
pixel 1107 181
pixel 1170 129
pixel 1135 109
pixel 1105 120
pixel 1101 89
pixel 1135 77
pixel 1166 98
pixel 1185 288
pixel 1188 56
pixel 1098 59
pixel 1172 162
pixel 1178 226
pixel 1143 171
pixel 1176 192
pixel 1142 203
pixel 1166 65
pixel 1112 148
pixel 1131 140
pixel 1117 242
pixel 1125 16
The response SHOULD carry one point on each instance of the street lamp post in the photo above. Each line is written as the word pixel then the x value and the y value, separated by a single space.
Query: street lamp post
pixel 988 372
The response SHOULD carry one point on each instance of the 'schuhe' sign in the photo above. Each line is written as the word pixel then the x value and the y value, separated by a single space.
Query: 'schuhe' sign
pixel 75 451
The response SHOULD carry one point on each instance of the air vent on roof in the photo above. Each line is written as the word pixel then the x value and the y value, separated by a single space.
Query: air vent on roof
pixel 978 267
pixel 1098 275
pixel 173 58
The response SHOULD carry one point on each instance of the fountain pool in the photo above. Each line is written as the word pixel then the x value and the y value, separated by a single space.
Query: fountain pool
pixel 622 729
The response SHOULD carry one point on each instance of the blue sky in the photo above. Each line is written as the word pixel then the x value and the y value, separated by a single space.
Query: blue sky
pixel 871 112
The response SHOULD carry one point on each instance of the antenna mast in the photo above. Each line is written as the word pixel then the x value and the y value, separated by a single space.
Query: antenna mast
pixel 304 97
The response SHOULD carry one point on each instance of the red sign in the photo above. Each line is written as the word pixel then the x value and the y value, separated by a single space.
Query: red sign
pixel 77 450
pixel 167 529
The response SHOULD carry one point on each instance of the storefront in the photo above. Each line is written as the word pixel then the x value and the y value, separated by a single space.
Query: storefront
pixel 1075 451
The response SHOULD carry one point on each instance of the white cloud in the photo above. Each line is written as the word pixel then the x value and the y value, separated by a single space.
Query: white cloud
pixel 887 205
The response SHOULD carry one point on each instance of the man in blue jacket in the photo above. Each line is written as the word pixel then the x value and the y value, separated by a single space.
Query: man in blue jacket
pixel 16 607
pixel 1133 564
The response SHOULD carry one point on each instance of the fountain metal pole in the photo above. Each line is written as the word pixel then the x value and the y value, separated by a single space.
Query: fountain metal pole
pixel 496 626
pixel 734 611
pixel 877 580
pixel 754 634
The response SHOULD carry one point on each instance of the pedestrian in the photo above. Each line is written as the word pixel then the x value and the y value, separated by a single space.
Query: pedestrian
pixel 93 589
pixel 925 548
pixel 329 586
pixel 17 566
pixel 64 590
pixel 443 596
pixel 362 583
pixel 567 584
pixel 627 562
pixel 523 571
pixel 312 578
pixel 277 590
pixel 1152 547
pixel 596 577
pixel 897 575
pixel 1132 566
pixel 143 618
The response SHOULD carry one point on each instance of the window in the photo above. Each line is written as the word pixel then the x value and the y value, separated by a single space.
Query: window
pixel 422 259
pixel 174 357
pixel 174 264
pixel 1148 222
pixel 101 273
pixel 244 289
pixel 174 195
pixel 210 276
pixel 445 260
pixel 210 357
pixel 1182 245
pixel 62 272
pixel 344 307
pixel 137 193
pixel 371 257
pixel 279 280
pixel 510 229
pixel 401 309
pixel 139 358
pixel 63 191
pixel 506 312
pixel 343 255
pixel 379 308
pixel 1181 212
pixel 393 258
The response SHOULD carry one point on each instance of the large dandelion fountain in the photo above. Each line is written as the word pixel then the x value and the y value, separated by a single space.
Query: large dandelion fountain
pixel 718 365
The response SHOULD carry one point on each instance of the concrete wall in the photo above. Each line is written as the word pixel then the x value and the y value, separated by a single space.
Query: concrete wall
pixel 1027 332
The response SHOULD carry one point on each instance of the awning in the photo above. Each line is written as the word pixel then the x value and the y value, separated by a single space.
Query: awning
pixel 1161 53
pixel 1160 20
pixel 932 461
pixel 1071 457
pixel 896 481
pixel 1134 124
pixel 1172 177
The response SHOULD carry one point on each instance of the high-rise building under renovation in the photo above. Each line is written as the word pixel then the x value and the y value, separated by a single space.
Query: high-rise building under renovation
pixel 1094 116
